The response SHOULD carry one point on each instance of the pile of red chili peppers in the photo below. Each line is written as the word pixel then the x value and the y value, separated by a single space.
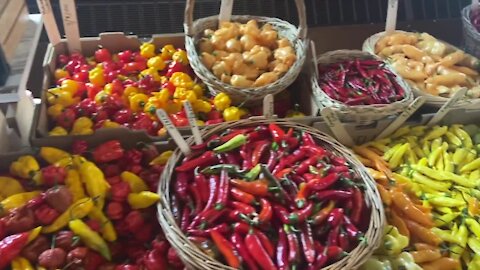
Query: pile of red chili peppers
pixel 267 198
pixel 360 82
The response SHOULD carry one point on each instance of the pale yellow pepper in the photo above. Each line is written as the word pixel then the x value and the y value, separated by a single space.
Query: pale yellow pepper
pixel 142 199
pixel 82 126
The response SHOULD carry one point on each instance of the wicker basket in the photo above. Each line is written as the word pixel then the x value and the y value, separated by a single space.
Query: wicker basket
pixel 470 34
pixel 193 31
pixel 194 258
pixel 358 113
pixel 434 101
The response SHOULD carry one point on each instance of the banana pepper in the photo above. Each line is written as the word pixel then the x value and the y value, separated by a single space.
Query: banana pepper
pixel 107 229
pixel 25 167
pixel 162 158
pixel 74 185
pixel 90 238
pixel 142 199
pixel 77 210
pixel 58 131
pixel 17 200
pixel 82 126
pixel 9 186
pixel 52 154
pixel 94 181
pixel 136 183
pixel 20 263
pixel 222 101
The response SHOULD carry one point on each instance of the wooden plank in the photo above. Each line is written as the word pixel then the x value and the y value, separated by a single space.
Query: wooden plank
pixel 16 35
pixel 9 17
pixel 3 4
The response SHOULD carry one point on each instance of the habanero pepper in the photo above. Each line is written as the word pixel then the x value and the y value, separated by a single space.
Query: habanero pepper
pixel 206 158
pixel 109 151
pixel 258 252
pixel 241 248
pixel 226 249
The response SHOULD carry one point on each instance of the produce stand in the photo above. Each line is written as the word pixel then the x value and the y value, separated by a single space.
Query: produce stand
pixel 135 163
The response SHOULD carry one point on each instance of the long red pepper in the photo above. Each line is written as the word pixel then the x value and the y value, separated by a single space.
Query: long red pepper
pixel 266 212
pixel 243 228
pixel 226 249
pixel 260 133
pixel 242 207
pixel 335 217
pixel 260 148
pixel 242 196
pixel 282 250
pixel 343 240
pixel 272 160
pixel 11 246
pixel 242 251
pixel 300 215
pixel 323 182
pixel 197 197
pixel 322 215
pixel 232 158
pixel 306 238
pixel 206 158
pixel 301 197
pixel 353 233
pixel 258 252
pixel 258 187
pixel 303 167
pixel 293 246
pixel 203 186
pixel 332 238
pixel 331 194
pixel 358 202
pixel 276 132
pixel 223 190
pixel 185 218
pixel 307 139
pixel 222 229
pixel 181 185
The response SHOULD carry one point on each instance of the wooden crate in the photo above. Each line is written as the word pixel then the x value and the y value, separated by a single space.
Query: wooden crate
pixel 13 19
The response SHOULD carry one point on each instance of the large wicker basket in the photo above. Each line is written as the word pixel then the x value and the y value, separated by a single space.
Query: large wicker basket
pixel 434 101
pixel 358 113
pixel 470 35
pixel 297 36
pixel 194 258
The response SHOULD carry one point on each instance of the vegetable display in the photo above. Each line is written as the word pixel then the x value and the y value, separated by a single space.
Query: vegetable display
pixel 246 55
pixel 62 211
pixel 429 64
pixel 360 82
pixel 428 179
pixel 269 198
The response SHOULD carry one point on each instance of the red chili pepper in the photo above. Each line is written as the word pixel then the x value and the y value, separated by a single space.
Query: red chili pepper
pixel 221 228
pixel 302 194
pixel 293 246
pixel 208 217
pixel 246 153
pixel 242 207
pixel 258 252
pixel 277 133
pixel 299 216
pixel 199 204
pixel 234 215
pixel 306 237
pixel 226 249
pixel 202 185
pixel 322 215
pixel 353 233
pixel 232 158
pixel 213 182
pixel 332 238
pixel 259 133
pixel 243 228
pixel 272 160
pixel 290 160
pixel 282 250
pixel 45 215
pixel 307 139
pixel 266 212
pixel 343 240
pixel 11 246
pixel 181 185
pixel 358 202
pixel 335 253
pixel 185 218
pixel 335 217
pixel 320 261
pixel 313 150
pixel 205 159
pixel 303 167
pixel 223 189
pixel 260 148
pixel 331 194
pixel 257 188
pixel 281 213
pixel 239 244
pixel 242 196
pixel 322 183
pixel 109 151
pixel 175 207
pixel 53 175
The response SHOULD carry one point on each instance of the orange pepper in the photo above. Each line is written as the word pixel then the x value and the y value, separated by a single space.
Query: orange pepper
pixel 396 220
pixel 403 203
pixel 422 233
pixel 473 206
pixel 442 264
pixel 384 194
pixel 380 177
pixel 426 255
pixel 380 164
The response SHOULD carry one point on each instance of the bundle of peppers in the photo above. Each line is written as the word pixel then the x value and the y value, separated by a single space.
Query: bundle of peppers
pixel 269 198
pixel 360 82
pixel 64 211
pixel 428 179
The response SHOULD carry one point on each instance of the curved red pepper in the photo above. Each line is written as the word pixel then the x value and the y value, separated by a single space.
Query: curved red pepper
pixel 197 197
pixel 335 217
pixel 359 203
pixel 353 233
pixel 343 240
pixel 242 196
pixel 258 187
pixel 303 167
pixel 258 252
pixel 246 153
pixel 181 185
pixel 293 246
pixel 260 133
pixel 277 133
pixel 266 212
pixel 206 158
pixel 282 250
pixel 272 160
pixel 244 228
pixel 226 249
pixel 242 251
pixel 307 139
pixel 223 189
pixel 323 182
pixel 306 237
pixel 302 194
pixel 332 238
pixel 260 148
pixel 301 215
pixel 322 215
pixel 185 218
pixel 332 194
pixel 11 246
pixel 221 228
pixel 242 207
pixel 203 186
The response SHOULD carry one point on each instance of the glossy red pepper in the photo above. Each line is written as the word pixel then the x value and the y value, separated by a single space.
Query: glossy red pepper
pixel 288 161
pixel 232 158
pixel 181 185
pixel 282 250
pixel 208 218
pixel 343 240
pixel 79 147
pixel 246 153
pixel 241 248
pixel 259 150
pixel 185 221
pixel 277 133
pixel 322 183
pixel 199 203
pixel 320 261
pixel 335 217
pixel 107 152
pixel 257 188
pixel 353 233
pixel 243 229
pixel 272 160
pixel 203 186
pixel 321 216
pixel 299 216
pixel 332 238
pixel 293 246
pixel 259 133
pixel 358 202
pixel 242 207
pixel 331 194
pixel 266 212
pixel 303 167
pixel 306 238
pixel 258 252
pixel 313 150
pixel 11 246
pixel 307 139
pixel 226 249
pixel 242 196
pixel 302 195
pixel 205 159
pixel 223 190
pixel 221 228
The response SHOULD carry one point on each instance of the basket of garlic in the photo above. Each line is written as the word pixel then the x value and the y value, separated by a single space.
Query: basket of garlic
pixel 433 68
pixel 248 57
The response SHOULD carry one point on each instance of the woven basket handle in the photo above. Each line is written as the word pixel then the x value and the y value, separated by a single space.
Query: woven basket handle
pixel 302 18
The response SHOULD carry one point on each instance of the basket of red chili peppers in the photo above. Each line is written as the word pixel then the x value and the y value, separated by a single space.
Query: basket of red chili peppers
pixel 359 85
pixel 267 194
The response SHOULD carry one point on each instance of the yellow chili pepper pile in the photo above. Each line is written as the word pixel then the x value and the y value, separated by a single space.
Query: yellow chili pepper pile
pixel 429 181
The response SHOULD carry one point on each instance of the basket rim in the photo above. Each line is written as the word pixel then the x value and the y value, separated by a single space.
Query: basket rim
pixel 374 108
pixel 369 46
pixel 195 257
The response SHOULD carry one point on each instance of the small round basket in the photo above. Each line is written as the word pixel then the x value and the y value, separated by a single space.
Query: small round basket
pixel 297 36
pixel 194 258
pixel 358 113
pixel 470 35
pixel 431 100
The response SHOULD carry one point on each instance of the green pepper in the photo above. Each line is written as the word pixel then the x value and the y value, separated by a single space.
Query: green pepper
pixel 393 242
pixel 231 144
pixel 376 263
pixel 253 173
pixel 230 168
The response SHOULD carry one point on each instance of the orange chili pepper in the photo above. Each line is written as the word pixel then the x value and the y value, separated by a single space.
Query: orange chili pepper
pixel 423 246
pixel 426 255
pixel 442 264
pixel 410 210
pixel 421 233
pixel 379 177
pixel 380 164
pixel 283 172
pixel 257 188
pixel 384 194
pixel 266 212
pixel 396 220
pixel 301 198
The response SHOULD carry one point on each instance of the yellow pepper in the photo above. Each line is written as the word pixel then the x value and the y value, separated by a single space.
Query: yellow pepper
pixel 64 162
pixel 78 160
pixel 129 91
pixel 82 126
pixel 143 199
pixel 184 94
pixel 79 209
pixel 231 114
pixel 198 89
pixel 9 186
pixel 70 86
pixel 174 106
pixel 162 96
pixel 110 124
pixel 90 238
pixel 167 52
pixel 17 200
pixel 151 72
pixel 180 56
pixel 34 233
pixel 96 76
pixel 100 97
pixel 200 123
pixel 136 183
pixel 74 185
pixel 107 230
pixel 60 73
pixel 222 101
pixel 55 110
pixel 52 154
pixel 138 101
pixel 147 50
pixel 25 167
pixel 94 181
pixel 61 97
pixel 20 263
pixel 203 106
pixel 162 158
pixel 150 109
pixel 156 62
pixel 471 166
pixel 58 131
pixel 180 79
pixel 294 114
